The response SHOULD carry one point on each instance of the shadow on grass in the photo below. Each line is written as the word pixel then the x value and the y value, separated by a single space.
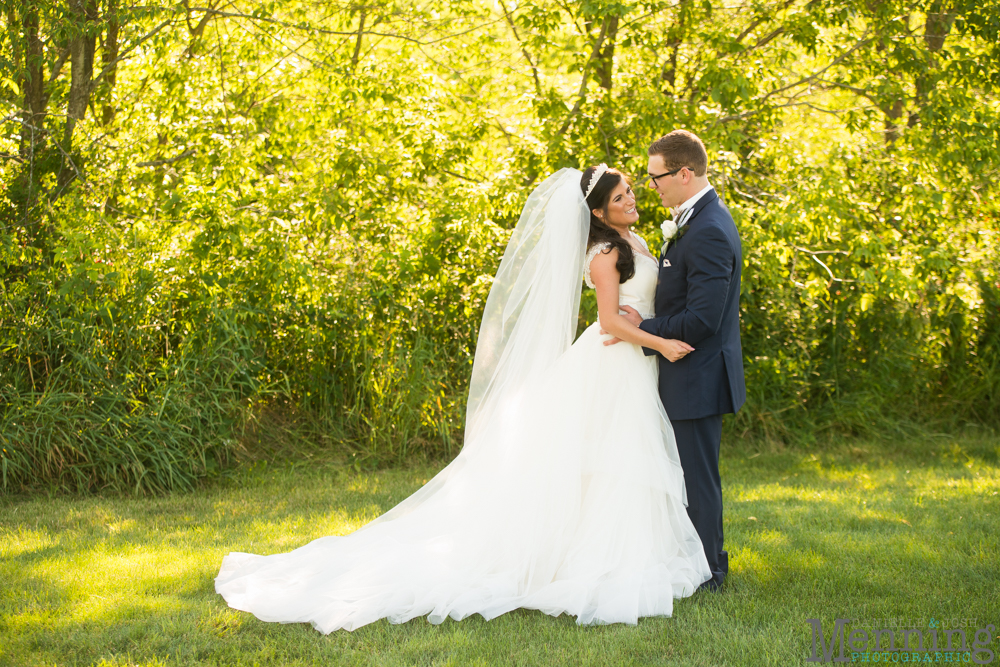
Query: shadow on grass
pixel 908 534
pixel 840 534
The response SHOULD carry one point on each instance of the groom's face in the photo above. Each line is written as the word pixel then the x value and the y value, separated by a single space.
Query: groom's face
pixel 670 188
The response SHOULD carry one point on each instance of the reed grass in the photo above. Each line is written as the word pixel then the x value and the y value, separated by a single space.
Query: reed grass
pixel 150 380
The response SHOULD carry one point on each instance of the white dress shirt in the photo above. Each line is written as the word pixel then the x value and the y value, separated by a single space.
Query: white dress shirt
pixel 681 212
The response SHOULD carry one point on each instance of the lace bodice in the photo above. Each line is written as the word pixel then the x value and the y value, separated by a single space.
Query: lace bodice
pixel 638 290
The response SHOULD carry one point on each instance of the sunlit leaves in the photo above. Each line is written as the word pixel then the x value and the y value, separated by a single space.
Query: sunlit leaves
pixel 316 198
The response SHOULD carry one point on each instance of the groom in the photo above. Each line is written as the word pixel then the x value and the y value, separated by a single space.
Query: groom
pixel 697 301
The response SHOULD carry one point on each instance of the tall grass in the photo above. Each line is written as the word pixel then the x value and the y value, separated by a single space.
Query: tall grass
pixel 151 377
pixel 112 405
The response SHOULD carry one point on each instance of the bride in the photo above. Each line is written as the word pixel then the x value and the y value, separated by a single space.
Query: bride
pixel 568 495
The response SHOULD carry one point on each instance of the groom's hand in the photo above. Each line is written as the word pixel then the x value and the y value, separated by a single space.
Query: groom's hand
pixel 632 315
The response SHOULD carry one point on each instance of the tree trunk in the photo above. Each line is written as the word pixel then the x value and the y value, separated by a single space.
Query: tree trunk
pixel 676 35
pixel 937 26
pixel 357 43
pixel 605 66
pixel 89 39
pixel 892 116
pixel 109 54
pixel 79 86
pixel 33 84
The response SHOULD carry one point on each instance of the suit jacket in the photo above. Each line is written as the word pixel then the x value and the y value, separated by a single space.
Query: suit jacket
pixel 698 301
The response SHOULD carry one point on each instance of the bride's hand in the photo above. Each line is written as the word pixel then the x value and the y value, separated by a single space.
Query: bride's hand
pixel 674 349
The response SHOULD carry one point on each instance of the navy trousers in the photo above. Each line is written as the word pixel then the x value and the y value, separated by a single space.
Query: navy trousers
pixel 698 442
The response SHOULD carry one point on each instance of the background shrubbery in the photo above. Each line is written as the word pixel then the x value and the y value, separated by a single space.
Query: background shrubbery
pixel 250 224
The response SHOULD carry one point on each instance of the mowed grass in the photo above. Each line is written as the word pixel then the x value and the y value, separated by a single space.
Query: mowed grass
pixel 863 530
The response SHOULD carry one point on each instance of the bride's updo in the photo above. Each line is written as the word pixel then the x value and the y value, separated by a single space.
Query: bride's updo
pixel 600 231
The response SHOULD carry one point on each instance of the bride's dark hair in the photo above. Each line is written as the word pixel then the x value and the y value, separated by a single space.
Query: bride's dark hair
pixel 602 232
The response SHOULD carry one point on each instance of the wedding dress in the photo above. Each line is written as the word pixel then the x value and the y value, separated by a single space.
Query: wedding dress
pixel 567 497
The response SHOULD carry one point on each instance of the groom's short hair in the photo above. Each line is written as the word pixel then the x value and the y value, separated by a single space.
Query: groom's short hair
pixel 679 149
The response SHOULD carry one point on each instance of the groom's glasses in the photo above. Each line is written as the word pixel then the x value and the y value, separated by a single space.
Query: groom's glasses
pixel 666 173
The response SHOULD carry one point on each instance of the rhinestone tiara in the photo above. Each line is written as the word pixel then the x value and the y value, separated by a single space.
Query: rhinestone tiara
pixel 596 176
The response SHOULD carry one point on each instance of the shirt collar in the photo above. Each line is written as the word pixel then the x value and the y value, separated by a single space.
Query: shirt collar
pixel 693 200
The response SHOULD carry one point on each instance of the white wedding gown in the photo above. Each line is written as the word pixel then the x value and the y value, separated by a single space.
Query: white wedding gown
pixel 569 499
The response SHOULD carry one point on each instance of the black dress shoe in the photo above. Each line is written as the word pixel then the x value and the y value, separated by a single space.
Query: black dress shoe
pixel 711 586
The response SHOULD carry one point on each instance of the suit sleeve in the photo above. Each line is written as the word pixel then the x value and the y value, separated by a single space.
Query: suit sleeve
pixel 710 261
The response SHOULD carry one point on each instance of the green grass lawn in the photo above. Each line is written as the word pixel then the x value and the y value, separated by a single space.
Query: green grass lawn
pixel 878 533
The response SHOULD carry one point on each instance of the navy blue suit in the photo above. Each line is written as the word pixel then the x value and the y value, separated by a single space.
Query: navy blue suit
pixel 698 301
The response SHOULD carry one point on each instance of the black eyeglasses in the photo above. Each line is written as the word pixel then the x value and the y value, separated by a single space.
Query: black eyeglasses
pixel 666 173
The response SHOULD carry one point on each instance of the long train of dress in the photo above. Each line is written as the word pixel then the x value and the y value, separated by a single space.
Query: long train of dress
pixel 574 504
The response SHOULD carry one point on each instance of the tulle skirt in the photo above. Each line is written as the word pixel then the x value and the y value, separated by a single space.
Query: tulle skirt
pixel 571 501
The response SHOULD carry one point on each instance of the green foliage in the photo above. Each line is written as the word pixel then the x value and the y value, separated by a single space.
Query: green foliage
pixel 213 217
pixel 873 294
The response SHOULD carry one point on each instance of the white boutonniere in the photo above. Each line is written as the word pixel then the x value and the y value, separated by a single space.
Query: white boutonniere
pixel 673 230
pixel 669 229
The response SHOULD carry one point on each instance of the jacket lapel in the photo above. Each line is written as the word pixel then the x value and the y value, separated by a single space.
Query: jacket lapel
pixel 706 199
pixel 700 205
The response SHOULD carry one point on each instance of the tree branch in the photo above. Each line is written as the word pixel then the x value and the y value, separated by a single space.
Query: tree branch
pixel 12 116
pixel 159 163
pixel 763 41
pixel 457 175
pixel 813 254
pixel 110 66
pixel 812 77
pixel 524 49
pixel 582 94
pixel 861 42
pixel 357 44
pixel 750 28
pixel 338 33
pixel 58 64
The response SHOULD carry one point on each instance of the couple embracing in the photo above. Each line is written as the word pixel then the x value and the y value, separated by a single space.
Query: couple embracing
pixel 588 482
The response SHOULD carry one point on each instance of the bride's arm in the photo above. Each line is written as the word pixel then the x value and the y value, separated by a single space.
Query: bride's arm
pixel 604 274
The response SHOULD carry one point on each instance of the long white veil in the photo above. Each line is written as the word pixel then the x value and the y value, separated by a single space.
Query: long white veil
pixel 531 313
pixel 529 321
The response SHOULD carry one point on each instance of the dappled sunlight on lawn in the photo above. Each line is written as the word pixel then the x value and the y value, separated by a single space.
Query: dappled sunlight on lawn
pixel 777 491
pixel 364 484
pixel 128 662
pixel 771 539
pixel 869 522
pixel 97 583
pixel 761 565
pixel 100 563
pixel 279 535
pixel 803 533
pixel 23 540
pixel 311 511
